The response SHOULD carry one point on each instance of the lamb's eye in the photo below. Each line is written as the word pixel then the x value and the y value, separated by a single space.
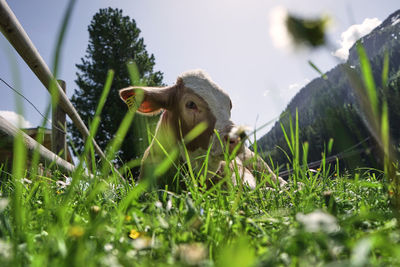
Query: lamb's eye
pixel 191 105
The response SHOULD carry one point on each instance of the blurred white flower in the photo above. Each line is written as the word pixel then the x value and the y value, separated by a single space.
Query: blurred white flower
pixel 158 204
pixel 169 205
pixel 293 31
pixel 163 223
pixel 110 260
pixel 62 184
pixel 132 254
pixel 42 234
pixel 318 221
pixel 192 254
pixel 108 247
pixel 143 243
pixel 361 252
pixel 239 131
pixel 5 249
pixel 3 203
pixel 278 30
pixel 26 181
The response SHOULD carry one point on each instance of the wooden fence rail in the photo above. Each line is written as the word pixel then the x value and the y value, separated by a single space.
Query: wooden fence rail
pixel 46 156
pixel 18 38
pixel 58 129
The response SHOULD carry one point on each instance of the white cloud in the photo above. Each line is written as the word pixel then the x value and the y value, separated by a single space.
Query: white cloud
pixel 15 119
pixel 266 92
pixel 292 90
pixel 352 34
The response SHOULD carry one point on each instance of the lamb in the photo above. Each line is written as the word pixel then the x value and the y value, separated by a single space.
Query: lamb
pixel 194 99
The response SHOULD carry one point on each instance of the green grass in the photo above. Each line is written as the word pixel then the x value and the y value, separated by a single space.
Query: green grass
pixel 89 223
pixel 106 221
pixel 335 219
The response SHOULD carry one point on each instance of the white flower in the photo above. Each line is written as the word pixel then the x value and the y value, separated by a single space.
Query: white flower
pixel 169 205
pixel 239 131
pixel 3 204
pixel 289 31
pixel 110 260
pixel 143 243
pixel 318 221
pixel 26 181
pixel 278 30
pixel 63 184
pixel 360 252
pixel 192 254
pixel 108 247
pixel 158 204
pixel 5 249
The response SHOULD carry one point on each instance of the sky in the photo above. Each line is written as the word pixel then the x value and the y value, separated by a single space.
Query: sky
pixel 237 42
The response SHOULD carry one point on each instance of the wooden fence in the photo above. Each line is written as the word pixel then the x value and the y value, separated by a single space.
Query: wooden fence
pixel 48 157
pixel 18 38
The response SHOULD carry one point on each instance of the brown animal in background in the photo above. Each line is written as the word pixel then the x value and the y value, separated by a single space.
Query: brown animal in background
pixel 194 99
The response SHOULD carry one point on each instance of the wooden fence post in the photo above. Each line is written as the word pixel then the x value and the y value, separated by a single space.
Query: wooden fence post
pixel 7 130
pixel 19 39
pixel 59 128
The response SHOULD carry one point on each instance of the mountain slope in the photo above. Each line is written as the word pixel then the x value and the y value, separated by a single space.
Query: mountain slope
pixel 329 108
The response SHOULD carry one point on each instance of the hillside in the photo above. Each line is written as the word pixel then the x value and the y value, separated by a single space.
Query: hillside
pixel 328 108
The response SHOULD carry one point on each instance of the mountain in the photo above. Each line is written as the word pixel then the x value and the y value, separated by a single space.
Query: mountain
pixel 328 108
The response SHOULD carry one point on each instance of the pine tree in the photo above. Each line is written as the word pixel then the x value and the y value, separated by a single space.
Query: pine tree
pixel 113 41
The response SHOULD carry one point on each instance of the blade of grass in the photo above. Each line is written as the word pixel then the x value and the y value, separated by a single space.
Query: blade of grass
pixel 368 79
pixel 18 211
pixel 323 75
pixel 385 70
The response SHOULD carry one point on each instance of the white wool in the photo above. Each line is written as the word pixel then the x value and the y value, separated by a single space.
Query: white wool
pixel 220 106
pixel 245 175
pixel 216 98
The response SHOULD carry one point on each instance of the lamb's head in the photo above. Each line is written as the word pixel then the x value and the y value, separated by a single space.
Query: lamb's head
pixel 194 99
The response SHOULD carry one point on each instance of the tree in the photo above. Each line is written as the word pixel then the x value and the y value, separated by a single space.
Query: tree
pixel 113 41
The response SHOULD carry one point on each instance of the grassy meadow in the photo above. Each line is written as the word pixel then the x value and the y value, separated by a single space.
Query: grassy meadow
pixel 326 217
pixel 335 218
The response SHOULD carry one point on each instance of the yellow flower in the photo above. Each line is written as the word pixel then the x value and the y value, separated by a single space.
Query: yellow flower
pixel 134 234
pixel 319 169
pixel 76 231
pixel 128 218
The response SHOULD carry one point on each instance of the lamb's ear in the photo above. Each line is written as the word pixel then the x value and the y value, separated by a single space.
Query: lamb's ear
pixel 147 100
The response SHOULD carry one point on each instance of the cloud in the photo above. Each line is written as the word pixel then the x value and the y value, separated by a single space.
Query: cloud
pixel 266 92
pixel 292 90
pixel 15 119
pixel 352 34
